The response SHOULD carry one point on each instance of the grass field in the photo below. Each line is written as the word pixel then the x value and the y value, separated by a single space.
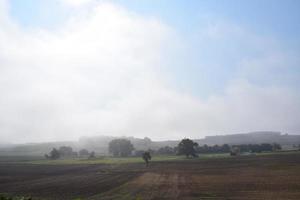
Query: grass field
pixel 117 160
pixel 218 176
pixel 99 160
pixel 105 160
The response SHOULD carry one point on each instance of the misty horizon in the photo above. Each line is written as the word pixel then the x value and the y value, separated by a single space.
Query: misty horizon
pixel 152 139
pixel 163 70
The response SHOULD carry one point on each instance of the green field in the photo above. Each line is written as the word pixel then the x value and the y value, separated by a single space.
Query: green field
pixel 120 160
pixel 104 160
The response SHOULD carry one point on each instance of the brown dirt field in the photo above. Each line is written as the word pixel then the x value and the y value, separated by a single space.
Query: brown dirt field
pixel 245 177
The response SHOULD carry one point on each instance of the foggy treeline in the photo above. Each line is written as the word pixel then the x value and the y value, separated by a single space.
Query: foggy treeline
pixel 100 144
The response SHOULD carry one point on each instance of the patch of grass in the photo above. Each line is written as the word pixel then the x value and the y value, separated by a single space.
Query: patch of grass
pixel 104 160
pixel 214 155
pixel 122 160
pixel 279 153
pixel 9 197
pixel 14 159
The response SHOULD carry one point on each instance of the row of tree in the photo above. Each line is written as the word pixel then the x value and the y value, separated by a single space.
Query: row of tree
pixel 187 147
pixel 251 148
pixel 67 152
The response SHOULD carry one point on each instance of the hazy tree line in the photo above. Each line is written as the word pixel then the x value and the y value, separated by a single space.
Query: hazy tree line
pixel 187 147
pixel 120 147
pixel 243 148
pixel 67 152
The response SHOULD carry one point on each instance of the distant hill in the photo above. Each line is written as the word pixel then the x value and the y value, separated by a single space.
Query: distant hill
pixel 33 149
pixel 252 138
pixel 99 144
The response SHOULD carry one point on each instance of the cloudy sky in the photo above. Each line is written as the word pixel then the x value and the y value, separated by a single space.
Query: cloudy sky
pixel 165 69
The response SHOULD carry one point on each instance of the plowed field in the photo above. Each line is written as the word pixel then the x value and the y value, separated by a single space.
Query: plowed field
pixel 244 177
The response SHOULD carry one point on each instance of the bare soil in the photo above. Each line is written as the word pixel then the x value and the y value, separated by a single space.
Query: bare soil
pixel 244 177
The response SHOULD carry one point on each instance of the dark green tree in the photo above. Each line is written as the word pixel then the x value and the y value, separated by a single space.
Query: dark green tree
pixel 146 157
pixel 120 147
pixel 187 147
pixel 53 155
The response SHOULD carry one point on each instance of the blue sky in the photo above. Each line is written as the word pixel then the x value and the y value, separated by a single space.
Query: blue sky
pixel 158 68
pixel 274 19
pixel 266 17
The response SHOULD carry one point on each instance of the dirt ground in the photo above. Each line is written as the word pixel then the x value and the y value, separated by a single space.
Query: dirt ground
pixel 245 177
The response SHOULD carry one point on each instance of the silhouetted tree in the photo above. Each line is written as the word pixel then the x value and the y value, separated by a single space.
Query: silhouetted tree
pixel 53 155
pixel 187 147
pixel 146 157
pixel 276 147
pixel 84 152
pixel 120 147
pixel 234 151
pixel 92 155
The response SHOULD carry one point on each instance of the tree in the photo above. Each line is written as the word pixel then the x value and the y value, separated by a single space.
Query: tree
pixel 146 157
pixel 84 152
pixel 235 151
pixel 53 155
pixel 276 147
pixel 66 151
pixel 120 147
pixel 92 155
pixel 187 147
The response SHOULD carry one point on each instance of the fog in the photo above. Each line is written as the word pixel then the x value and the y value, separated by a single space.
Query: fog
pixel 108 71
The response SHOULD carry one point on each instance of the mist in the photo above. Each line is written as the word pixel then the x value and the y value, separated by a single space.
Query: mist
pixel 110 71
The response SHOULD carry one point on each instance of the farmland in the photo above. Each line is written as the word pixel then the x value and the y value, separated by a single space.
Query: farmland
pixel 266 176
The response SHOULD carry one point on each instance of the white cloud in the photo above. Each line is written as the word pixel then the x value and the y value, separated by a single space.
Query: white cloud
pixel 54 80
pixel 101 74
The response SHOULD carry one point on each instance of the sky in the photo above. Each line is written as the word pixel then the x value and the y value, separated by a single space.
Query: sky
pixel 165 69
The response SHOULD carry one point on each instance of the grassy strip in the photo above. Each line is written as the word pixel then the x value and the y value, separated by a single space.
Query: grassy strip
pixel 122 160
pixel 105 160
pixel 9 197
